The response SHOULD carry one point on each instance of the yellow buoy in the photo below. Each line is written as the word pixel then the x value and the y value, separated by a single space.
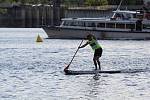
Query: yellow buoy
pixel 39 39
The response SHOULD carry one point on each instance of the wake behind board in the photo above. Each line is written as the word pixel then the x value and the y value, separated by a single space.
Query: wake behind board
pixel 71 72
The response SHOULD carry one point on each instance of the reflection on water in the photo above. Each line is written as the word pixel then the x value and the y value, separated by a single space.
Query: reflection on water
pixel 34 71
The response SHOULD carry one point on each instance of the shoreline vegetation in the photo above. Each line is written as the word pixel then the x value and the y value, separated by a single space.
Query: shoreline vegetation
pixel 76 2
pixel 41 13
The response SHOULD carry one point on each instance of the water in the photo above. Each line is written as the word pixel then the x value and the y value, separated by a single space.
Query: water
pixel 34 71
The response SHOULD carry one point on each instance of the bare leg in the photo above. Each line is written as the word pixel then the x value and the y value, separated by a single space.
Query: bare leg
pixel 99 64
pixel 95 63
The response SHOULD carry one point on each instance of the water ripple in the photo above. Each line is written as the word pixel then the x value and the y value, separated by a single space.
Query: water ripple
pixel 30 71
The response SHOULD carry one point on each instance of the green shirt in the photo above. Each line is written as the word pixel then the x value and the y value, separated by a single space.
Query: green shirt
pixel 94 44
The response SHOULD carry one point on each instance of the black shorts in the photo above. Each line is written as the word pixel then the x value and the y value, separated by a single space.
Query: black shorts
pixel 98 52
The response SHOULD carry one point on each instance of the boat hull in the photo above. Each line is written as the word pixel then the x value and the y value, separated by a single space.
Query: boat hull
pixel 71 33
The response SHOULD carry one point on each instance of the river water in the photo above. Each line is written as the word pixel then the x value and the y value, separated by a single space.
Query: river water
pixel 34 71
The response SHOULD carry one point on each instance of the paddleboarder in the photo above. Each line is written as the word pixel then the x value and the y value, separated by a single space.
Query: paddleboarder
pixel 92 41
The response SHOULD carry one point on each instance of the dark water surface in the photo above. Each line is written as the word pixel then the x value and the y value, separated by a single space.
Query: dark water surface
pixel 34 71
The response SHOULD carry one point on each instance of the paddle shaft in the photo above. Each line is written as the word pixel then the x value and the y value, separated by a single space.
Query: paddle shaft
pixel 73 56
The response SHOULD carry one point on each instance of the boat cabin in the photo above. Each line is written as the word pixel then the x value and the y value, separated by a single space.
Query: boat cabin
pixel 120 21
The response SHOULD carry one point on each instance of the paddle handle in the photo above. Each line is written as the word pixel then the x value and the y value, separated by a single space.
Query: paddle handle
pixel 73 56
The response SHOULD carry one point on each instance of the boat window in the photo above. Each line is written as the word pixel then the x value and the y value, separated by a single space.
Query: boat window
pixel 101 25
pixel 120 25
pixel 130 26
pixel 66 23
pixel 91 24
pixel 73 24
pixel 128 16
pixel 69 23
pixel 134 15
pixel 140 16
pixel 146 26
pixel 118 15
pixel 110 25
pixel 82 24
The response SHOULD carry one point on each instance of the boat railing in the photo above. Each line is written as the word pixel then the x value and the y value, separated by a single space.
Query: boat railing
pixel 96 24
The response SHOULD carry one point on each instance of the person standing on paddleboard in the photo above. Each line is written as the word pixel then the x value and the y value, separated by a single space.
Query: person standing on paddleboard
pixel 96 48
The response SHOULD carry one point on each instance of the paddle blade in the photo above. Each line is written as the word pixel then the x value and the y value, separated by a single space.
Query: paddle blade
pixel 66 68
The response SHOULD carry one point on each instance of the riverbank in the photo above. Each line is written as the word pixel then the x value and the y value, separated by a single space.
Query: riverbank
pixel 35 16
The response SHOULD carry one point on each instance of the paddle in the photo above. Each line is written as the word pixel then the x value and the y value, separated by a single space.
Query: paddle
pixel 73 57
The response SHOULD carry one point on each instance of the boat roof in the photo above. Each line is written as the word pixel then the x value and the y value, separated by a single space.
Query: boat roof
pixel 100 18
pixel 84 19
pixel 126 11
pixel 97 20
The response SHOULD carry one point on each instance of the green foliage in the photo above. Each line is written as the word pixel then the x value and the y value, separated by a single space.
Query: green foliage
pixel 131 2
pixel 103 2
pixel 76 2
pixel 3 11
pixel 70 2
pixel 96 2
pixel 26 1
pixel 66 2
pixel 90 2
pixel 7 1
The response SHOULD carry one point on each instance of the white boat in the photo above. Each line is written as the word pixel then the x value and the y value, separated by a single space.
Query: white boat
pixel 124 24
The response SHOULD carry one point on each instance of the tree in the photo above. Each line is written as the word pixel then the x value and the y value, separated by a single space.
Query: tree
pixel 89 2
pixel 96 2
pixel 7 1
pixel 103 2
pixel 70 2
pixel 26 1
pixel 131 2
